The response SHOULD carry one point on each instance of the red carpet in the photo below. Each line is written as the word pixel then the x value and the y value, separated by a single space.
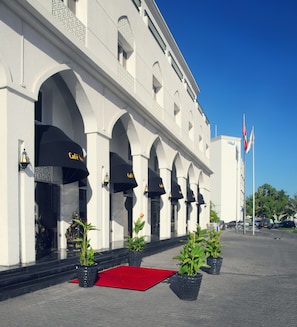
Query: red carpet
pixel 132 278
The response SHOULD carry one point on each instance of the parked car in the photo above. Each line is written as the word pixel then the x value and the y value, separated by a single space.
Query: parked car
pixel 258 223
pixel 287 224
pixel 231 224
pixel 267 223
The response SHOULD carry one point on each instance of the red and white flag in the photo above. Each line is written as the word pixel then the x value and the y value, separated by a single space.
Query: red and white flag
pixel 245 140
pixel 251 140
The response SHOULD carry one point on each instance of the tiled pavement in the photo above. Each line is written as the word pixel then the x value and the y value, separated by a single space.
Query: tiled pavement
pixel 257 287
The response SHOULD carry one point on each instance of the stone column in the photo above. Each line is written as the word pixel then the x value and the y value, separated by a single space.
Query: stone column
pixel 182 208
pixel 98 207
pixel 17 239
pixel 192 223
pixel 165 212
pixel 140 169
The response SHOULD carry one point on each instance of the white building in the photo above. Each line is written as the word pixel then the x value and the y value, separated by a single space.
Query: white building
pixel 227 180
pixel 104 104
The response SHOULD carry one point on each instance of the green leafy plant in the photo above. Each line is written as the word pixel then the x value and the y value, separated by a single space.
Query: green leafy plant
pixel 213 216
pixel 192 256
pixel 213 244
pixel 87 254
pixel 201 235
pixel 136 242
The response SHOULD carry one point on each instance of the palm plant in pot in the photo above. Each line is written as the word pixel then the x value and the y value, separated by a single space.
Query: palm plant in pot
pixel 87 271
pixel 135 243
pixel 213 251
pixel 192 258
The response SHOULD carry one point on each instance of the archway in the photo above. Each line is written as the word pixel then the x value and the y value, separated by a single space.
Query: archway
pixel 60 168
pixel 154 192
pixel 122 181
pixel 175 195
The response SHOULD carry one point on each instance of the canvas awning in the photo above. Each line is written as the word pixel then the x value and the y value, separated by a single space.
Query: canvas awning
pixel 176 192
pixel 155 184
pixel 54 148
pixel 190 195
pixel 121 174
pixel 200 199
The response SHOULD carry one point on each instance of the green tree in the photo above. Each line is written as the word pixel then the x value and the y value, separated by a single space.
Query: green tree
pixel 214 218
pixel 269 203
pixel 292 206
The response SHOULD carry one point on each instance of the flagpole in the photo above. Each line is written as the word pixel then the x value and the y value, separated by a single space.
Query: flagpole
pixel 245 144
pixel 244 200
pixel 253 144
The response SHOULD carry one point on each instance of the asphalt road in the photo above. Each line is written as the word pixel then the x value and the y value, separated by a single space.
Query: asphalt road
pixel 257 287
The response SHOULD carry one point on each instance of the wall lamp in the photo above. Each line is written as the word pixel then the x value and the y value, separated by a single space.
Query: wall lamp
pixel 105 180
pixel 24 160
pixel 145 190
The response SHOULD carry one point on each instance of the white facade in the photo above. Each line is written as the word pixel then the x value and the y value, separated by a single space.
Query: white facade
pixel 227 180
pixel 110 76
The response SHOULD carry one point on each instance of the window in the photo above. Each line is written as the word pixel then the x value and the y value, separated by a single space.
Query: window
pixel 157 84
pixel 122 56
pixel 201 139
pixel 156 88
pixel 176 109
pixel 125 44
pixel 71 4
pixel 155 33
pixel 190 126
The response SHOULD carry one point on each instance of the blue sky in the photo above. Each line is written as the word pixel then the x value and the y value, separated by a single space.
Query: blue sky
pixel 243 55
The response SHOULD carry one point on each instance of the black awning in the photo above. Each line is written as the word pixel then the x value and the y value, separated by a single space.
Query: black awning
pixel 176 192
pixel 155 184
pixel 190 195
pixel 54 148
pixel 121 174
pixel 200 199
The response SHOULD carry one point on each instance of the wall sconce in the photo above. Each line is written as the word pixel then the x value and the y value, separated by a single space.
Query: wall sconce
pixel 145 190
pixel 105 180
pixel 24 160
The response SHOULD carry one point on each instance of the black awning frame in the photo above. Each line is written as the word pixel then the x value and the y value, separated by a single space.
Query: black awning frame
pixel 200 199
pixel 121 174
pixel 155 184
pixel 176 193
pixel 54 148
pixel 190 196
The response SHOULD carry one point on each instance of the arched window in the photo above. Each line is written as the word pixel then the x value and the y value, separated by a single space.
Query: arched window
pixel 191 126
pixel 177 110
pixel 157 84
pixel 125 44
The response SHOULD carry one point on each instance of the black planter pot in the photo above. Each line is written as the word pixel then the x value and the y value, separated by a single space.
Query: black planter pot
pixel 135 258
pixel 188 286
pixel 215 265
pixel 87 275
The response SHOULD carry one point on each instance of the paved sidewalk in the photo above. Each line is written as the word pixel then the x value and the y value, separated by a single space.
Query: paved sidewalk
pixel 257 287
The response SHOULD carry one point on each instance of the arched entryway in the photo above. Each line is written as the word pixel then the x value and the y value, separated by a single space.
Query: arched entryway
pixel 175 195
pixel 122 183
pixel 60 166
pixel 155 190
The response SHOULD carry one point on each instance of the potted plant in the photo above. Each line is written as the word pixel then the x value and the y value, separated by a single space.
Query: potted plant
pixel 87 271
pixel 192 258
pixel 136 243
pixel 213 251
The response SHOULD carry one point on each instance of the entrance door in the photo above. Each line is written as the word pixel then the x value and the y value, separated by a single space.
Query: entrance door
pixel 47 197
pixel 174 218
pixel 155 218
